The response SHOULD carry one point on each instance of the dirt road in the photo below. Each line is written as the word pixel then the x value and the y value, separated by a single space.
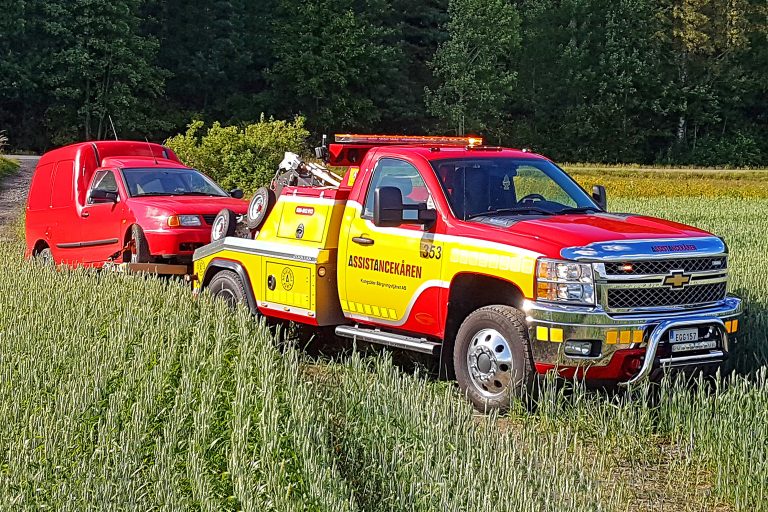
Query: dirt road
pixel 13 190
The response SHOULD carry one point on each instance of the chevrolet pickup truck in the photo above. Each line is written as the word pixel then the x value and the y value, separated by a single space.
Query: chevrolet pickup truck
pixel 492 259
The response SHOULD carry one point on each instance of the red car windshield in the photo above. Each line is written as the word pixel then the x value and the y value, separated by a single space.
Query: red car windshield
pixel 170 182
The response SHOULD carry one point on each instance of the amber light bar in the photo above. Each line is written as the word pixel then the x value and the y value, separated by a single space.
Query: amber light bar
pixel 350 138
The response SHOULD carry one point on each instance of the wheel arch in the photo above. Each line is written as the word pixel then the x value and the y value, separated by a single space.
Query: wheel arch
pixel 463 299
pixel 39 246
pixel 217 265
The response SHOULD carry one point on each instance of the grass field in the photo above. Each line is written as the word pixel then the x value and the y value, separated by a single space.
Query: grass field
pixel 7 167
pixel 126 393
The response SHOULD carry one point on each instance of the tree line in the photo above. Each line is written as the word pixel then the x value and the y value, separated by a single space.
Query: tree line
pixel 647 81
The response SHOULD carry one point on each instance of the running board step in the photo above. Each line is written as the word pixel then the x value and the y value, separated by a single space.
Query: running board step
pixel 388 339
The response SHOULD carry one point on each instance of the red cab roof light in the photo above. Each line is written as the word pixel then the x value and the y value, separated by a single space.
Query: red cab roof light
pixel 350 138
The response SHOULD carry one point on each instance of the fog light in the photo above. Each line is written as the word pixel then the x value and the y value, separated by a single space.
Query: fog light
pixel 578 348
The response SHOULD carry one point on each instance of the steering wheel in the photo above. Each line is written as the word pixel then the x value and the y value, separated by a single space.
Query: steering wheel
pixel 532 197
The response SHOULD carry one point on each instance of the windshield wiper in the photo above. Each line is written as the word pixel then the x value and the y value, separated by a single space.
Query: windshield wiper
pixel 582 209
pixel 521 210
pixel 145 194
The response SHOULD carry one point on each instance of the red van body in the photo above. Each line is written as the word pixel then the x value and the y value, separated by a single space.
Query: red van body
pixel 86 202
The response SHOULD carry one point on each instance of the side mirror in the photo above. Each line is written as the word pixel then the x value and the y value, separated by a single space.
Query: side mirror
pixel 103 196
pixel 387 207
pixel 237 193
pixel 598 194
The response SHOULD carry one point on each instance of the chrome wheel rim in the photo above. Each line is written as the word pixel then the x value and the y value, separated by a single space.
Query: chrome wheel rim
pixel 218 229
pixel 489 360
pixel 227 295
pixel 257 205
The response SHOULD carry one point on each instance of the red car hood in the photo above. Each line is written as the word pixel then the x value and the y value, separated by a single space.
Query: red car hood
pixel 549 235
pixel 181 205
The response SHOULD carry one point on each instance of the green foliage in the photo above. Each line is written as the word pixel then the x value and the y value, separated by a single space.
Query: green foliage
pixel 580 80
pixel 474 68
pixel 738 149
pixel 336 69
pixel 99 65
pixel 7 167
pixel 234 156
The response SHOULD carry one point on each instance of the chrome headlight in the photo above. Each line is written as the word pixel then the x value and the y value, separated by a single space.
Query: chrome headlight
pixel 184 220
pixel 565 281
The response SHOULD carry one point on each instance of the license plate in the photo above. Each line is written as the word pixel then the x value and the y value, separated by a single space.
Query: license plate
pixel 683 335
pixel 700 345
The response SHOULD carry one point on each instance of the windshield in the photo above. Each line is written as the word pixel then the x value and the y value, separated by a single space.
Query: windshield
pixel 486 186
pixel 169 182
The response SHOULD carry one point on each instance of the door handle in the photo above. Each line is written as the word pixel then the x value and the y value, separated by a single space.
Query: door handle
pixel 362 240
pixel 85 213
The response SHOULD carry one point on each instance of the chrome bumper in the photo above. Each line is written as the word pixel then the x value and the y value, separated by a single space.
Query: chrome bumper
pixel 550 326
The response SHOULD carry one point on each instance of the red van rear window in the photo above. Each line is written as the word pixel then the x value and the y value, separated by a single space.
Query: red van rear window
pixel 63 189
pixel 40 191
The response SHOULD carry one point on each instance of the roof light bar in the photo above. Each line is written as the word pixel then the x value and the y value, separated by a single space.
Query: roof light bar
pixel 350 138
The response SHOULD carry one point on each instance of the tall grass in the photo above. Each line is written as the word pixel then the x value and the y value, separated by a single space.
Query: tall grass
pixel 631 182
pixel 7 167
pixel 122 392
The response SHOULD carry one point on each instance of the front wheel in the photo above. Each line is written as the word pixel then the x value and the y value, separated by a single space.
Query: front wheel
pixel 492 358
pixel 138 247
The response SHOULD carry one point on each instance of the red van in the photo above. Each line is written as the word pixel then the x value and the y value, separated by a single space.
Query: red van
pixel 122 201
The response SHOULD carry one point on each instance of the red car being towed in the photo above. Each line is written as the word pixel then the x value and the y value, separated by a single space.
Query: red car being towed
pixel 120 200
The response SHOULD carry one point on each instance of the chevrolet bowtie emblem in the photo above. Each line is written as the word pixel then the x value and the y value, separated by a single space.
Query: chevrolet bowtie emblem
pixel 677 281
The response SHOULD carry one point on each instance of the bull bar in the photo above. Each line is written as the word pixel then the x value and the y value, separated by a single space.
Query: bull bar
pixel 594 323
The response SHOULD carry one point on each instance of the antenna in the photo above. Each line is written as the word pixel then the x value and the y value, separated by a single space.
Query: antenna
pixel 113 126
pixel 150 150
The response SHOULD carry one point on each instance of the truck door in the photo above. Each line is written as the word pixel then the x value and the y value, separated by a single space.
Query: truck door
pixel 101 233
pixel 392 275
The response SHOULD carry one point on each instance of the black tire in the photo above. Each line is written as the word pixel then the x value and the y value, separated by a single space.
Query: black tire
pixel 226 285
pixel 492 358
pixel 138 252
pixel 224 225
pixel 258 209
pixel 45 256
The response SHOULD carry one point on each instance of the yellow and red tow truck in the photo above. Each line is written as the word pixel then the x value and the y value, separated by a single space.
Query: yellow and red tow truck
pixel 492 259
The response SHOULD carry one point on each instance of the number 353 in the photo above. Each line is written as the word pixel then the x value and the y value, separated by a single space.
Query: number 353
pixel 430 251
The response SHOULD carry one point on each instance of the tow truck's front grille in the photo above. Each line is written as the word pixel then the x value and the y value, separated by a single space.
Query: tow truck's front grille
pixel 209 218
pixel 626 298
pixel 647 267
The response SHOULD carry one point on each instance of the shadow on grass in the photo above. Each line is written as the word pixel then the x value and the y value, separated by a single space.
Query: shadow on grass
pixel 749 352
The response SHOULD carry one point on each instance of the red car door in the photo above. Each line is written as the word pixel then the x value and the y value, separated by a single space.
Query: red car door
pixel 102 218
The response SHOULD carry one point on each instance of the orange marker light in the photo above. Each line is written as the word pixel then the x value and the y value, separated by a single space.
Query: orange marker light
pixel 351 138
pixel 627 267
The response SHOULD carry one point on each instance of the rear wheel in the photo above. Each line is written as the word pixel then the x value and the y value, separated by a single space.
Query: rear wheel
pixel 45 256
pixel 492 358
pixel 226 285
